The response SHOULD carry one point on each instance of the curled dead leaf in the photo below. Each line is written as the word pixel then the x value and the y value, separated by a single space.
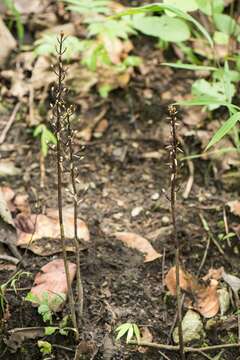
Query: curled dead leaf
pixel 205 295
pixel 138 242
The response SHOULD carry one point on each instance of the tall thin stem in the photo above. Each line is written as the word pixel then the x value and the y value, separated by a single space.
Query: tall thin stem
pixel 75 202
pixel 173 159
pixel 58 114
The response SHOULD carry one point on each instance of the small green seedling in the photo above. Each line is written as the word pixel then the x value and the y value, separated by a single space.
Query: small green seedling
pixel 130 330
pixel 11 283
pixel 46 137
pixel 63 329
pixel 45 347
pixel 46 306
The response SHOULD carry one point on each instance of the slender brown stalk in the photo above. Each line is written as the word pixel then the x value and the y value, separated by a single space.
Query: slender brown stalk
pixel 58 115
pixel 173 160
pixel 75 202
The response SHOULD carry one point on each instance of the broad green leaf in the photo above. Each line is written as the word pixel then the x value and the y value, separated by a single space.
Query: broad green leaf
pixel 224 129
pixel 211 7
pixel 190 66
pixel 159 7
pixel 49 330
pixel 165 27
pixel 225 23
pixel 220 38
pixel 45 347
pixel 184 5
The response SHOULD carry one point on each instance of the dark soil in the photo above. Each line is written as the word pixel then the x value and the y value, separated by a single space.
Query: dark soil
pixel 118 286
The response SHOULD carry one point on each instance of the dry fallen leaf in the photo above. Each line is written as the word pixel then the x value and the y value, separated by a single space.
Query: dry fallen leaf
pixel 206 300
pixel 234 207
pixel 138 242
pixel 192 328
pixel 52 280
pixel 146 336
pixel 232 281
pixel 186 280
pixel 5 199
pixel 45 240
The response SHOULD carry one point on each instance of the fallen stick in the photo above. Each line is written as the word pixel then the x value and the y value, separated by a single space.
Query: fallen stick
pixel 9 123
pixel 186 348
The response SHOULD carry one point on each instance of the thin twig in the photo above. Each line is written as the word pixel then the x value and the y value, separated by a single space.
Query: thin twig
pixel 173 159
pixel 186 348
pixel 10 259
pixel 9 123
pixel 70 134
pixel 204 255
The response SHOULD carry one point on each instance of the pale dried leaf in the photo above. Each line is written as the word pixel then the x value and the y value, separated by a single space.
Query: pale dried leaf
pixel 45 240
pixel 52 280
pixel 146 336
pixel 138 242
pixel 185 280
pixel 5 213
pixel 234 207
pixel 207 301
pixel 224 300
pixel 8 43
pixel 232 281
pixel 7 168
pixel 192 328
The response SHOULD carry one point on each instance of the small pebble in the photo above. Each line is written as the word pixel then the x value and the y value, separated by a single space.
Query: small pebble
pixel 136 211
pixel 155 196
pixel 165 220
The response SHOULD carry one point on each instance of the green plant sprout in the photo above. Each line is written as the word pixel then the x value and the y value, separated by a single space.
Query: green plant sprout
pixel 176 25
pixel 129 330
pixel 11 283
pixel 45 347
pixel 46 305
pixel 16 17
pixel 46 138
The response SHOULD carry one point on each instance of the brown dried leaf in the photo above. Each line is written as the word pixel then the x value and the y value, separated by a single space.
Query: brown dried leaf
pixel 186 280
pixel 207 301
pixel 52 280
pixel 138 242
pixel 147 336
pixel 234 207
pixel 47 226
pixel 205 296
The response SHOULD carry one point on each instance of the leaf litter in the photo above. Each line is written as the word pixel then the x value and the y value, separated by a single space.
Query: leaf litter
pixel 138 242
pixel 39 232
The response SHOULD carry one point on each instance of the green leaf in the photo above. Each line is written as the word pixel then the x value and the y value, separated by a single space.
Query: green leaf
pixel 220 38
pixel 225 23
pixel 129 334
pixel 184 5
pixel 224 129
pixel 104 90
pixel 122 330
pixel 211 7
pixel 159 7
pixel 45 347
pixel 49 330
pixel 136 332
pixel 190 66
pixel 132 61
pixel 32 298
pixel 206 100
pixel 164 27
